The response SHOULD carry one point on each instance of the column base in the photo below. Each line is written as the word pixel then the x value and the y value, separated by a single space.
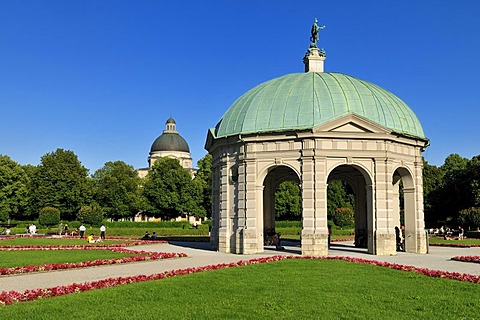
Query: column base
pixel 314 244
pixel 385 245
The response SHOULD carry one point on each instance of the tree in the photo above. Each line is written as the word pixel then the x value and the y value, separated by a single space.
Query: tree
pixel 13 189
pixel 339 195
pixel 60 181
pixel 288 201
pixel 49 216
pixel 116 188
pixel 343 217
pixel 170 192
pixel 470 218
pixel 91 215
pixel 204 180
pixel 432 182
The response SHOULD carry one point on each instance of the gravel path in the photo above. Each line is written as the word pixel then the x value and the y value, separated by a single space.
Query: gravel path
pixel 200 255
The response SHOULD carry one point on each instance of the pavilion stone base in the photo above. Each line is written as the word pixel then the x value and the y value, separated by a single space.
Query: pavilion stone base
pixel 314 244
pixel 386 245
pixel 417 244
pixel 249 242
pixel 222 244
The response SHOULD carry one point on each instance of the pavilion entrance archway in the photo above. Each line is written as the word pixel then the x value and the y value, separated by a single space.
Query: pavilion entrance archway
pixel 404 204
pixel 275 176
pixel 360 184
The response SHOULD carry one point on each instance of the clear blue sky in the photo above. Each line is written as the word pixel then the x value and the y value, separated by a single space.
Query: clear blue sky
pixel 100 78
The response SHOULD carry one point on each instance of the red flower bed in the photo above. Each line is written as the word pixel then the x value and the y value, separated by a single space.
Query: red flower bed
pixel 474 259
pixel 140 256
pixel 28 295
pixel 458 245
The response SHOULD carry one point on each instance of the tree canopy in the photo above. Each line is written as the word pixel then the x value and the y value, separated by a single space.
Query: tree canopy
pixel 288 201
pixel 170 191
pixel 116 188
pixel 60 181
pixel 204 180
pixel 13 189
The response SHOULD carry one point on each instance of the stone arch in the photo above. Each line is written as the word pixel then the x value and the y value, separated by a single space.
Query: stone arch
pixel 410 211
pixel 360 181
pixel 270 179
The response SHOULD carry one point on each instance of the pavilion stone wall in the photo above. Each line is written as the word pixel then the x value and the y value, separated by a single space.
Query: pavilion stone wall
pixel 240 166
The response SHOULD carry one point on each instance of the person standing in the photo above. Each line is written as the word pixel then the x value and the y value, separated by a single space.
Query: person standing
pixel 82 231
pixel 102 232
pixel 65 228
pixel 60 229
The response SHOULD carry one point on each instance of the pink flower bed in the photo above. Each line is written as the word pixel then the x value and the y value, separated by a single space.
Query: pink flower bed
pixel 474 259
pixel 139 256
pixel 28 295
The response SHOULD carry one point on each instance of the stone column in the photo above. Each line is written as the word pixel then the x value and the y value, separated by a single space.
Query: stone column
pixel 421 242
pixel 314 193
pixel 250 232
pixel 224 223
pixel 384 235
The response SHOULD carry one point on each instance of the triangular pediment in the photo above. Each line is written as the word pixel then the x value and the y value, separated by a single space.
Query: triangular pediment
pixel 351 123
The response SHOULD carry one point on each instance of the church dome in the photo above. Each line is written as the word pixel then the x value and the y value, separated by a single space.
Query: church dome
pixel 305 100
pixel 170 139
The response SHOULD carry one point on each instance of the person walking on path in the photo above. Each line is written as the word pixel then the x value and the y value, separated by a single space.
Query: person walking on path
pixel 102 232
pixel 82 231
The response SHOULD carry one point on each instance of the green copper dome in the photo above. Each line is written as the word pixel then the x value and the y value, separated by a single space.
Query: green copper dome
pixel 305 100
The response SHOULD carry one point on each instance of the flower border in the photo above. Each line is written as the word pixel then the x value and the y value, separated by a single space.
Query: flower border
pixel 140 256
pixel 472 259
pixel 10 297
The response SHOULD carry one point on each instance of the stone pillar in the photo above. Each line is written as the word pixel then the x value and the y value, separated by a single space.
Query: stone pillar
pixel 396 205
pixel 384 234
pixel 314 193
pixel 250 232
pixel 410 221
pixel 371 205
pixel 224 217
pixel 419 232
pixel 268 204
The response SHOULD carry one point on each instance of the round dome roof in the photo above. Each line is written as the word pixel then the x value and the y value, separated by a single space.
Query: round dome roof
pixel 170 142
pixel 305 100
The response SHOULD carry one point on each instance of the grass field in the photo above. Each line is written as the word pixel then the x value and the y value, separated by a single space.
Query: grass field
pixel 39 241
pixel 464 241
pixel 289 289
pixel 9 259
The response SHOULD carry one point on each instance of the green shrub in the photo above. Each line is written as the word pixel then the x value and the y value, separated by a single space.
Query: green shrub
pixel 90 215
pixel 343 217
pixel 49 216
pixel 469 218
pixel 288 224
pixel 148 224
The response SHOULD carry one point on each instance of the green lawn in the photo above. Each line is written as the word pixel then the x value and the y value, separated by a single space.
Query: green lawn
pixel 10 259
pixel 289 289
pixel 25 241
pixel 465 241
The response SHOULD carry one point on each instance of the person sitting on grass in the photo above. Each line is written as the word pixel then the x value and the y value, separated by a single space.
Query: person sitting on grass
pixel 90 239
pixel 146 236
